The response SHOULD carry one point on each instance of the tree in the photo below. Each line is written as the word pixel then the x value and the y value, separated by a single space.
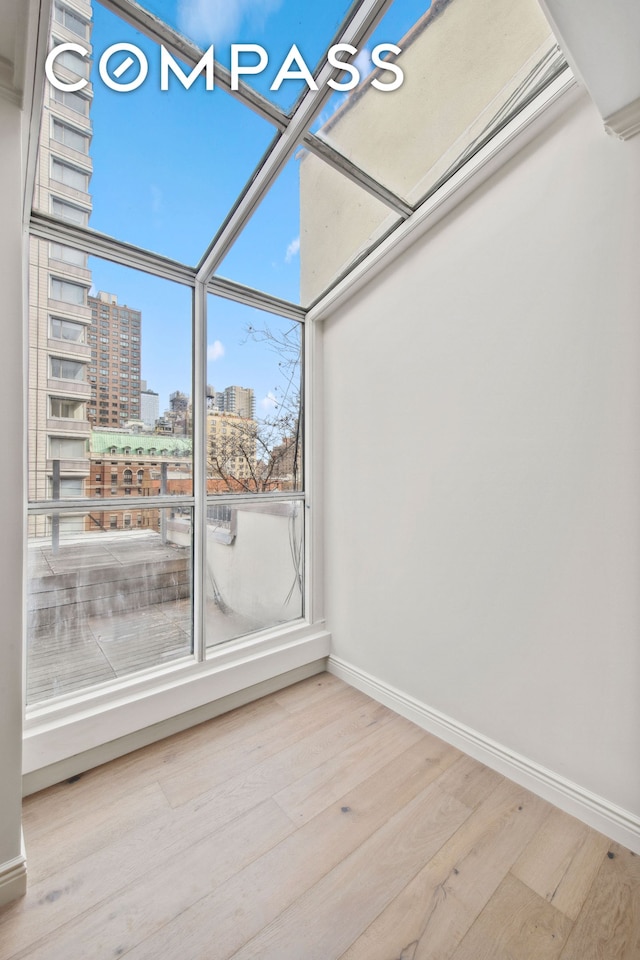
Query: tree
pixel 263 453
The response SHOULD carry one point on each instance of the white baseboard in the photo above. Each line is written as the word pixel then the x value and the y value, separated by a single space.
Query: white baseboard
pixel 608 818
pixel 13 880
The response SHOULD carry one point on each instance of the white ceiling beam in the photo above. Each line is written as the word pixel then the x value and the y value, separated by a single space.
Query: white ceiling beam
pixel 362 22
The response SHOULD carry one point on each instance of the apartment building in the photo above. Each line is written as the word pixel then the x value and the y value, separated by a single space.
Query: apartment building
pixel 115 339
pixel 233 399
pixel 59 276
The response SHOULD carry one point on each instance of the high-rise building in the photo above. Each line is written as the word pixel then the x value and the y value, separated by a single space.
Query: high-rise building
pixel 232 454
pixel 149 405
pixel 114 373
pixel 178 402
pixel 238 400
pixel 60 279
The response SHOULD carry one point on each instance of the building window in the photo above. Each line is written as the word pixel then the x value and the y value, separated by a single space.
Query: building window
pixel 64 409
pixel 62 369
pixel 70 19
pixel 71 99
pixel 127 477
pixel 69 211
pixel 69 136
pixel 71 488
pixel 67 330
pixel 59 251
pixel 66 448
pixel 70 176
pixel 68 292
pixel 72 61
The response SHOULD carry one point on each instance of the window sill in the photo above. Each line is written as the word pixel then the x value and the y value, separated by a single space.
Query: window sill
pixel 94 726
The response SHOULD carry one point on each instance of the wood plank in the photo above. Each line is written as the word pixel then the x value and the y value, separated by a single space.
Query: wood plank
pixel 471 782
pixel 93 829
pixel 181 753
pixel 238 911
pixel 325 920
pixel 518 924
pixel 125 913
pixel 309 795
pixel 561 861
pixel 301 745
pixel 433 913
pixel 318 689
pixel 44 813
pixel 313 823
pixel 608 927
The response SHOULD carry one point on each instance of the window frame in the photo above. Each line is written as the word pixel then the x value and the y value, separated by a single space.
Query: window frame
pixel 62 360
pixel 162 694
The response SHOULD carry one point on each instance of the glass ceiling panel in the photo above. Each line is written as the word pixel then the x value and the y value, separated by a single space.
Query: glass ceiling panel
pixel 312 226
pixel 160 178
pixel 468 65
pixel 272 24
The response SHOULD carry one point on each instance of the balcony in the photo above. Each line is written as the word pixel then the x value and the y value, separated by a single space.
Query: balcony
pixel 110 589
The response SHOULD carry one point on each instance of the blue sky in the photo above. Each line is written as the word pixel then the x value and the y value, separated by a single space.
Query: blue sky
pixel 168 167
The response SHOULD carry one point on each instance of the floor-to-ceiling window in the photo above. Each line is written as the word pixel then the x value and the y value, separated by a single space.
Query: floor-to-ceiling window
pixel 183 227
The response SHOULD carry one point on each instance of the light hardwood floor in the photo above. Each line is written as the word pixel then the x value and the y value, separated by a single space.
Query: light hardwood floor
pixel 314 823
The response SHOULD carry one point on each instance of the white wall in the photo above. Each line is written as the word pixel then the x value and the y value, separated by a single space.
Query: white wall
pixel 11 503
pixel 482 452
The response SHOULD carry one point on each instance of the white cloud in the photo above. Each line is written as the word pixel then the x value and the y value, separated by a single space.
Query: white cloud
pixel 217 21
pixel 363 62
pixel 292 250
pixel 334 104
pixel 215 350
pixel 268 403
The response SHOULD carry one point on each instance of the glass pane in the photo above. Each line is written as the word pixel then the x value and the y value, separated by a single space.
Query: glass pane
pixel 97 330
pixel 274 25
pixel 467 64
pixel 161 179
pixel 313 225
pixel 109 594
pixel 255 570
pixel 254 397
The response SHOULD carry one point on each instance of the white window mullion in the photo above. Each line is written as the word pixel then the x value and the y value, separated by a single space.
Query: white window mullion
pixel 199 469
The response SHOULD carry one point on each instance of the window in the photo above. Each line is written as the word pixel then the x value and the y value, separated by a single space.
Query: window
pixel 73 62
pixel 68 292
pixel 68 211
pixel 69 19
pixel 69 136
pixel 70 488
pixel 70 176
pixel 66 369
pixel 58 251
pixel 64 409
pixel 66 448
pixel 127 477
pixel 71 99
pixel 67 330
